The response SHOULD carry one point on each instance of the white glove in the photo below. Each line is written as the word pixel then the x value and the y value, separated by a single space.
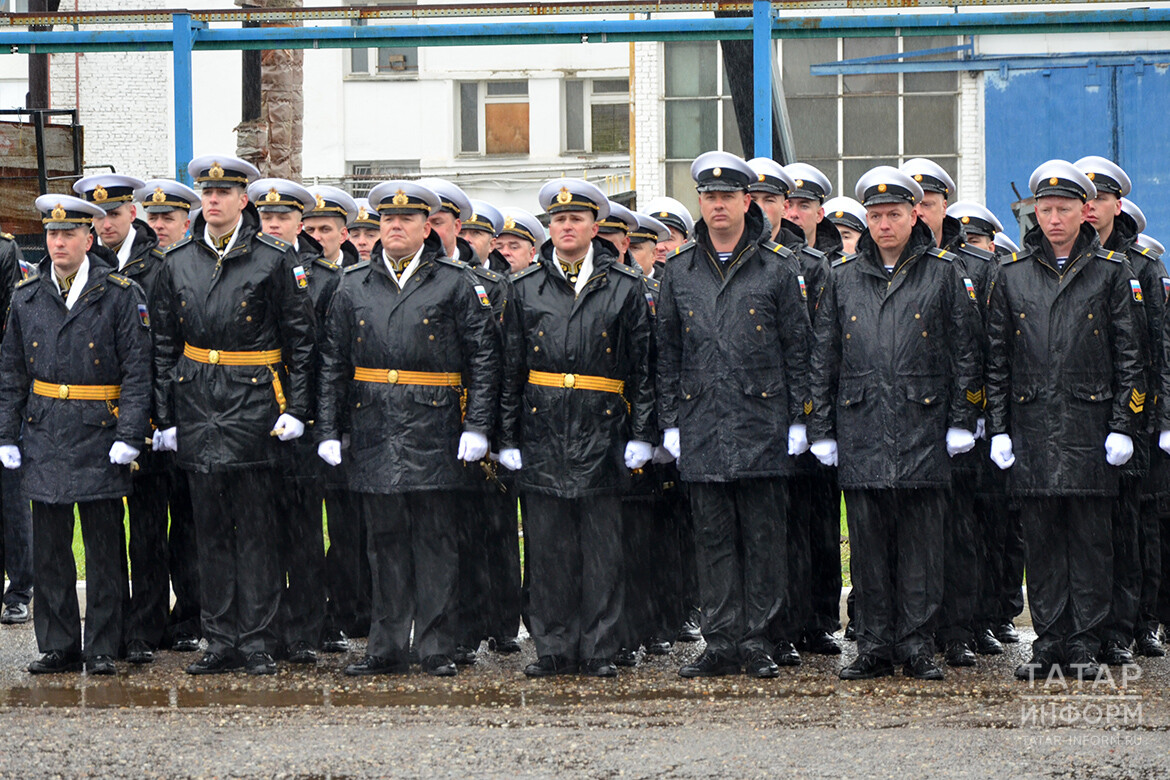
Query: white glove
pixel 168 440
pixel 638 454
pixel 121 453
pixel 797 439
pixel 1164 441
pixel 661 456
pixel 510 459
pixel 330 452
pixel 290 427
pixel 670 441
pixel 472 446
pixel 825 451
pixel 1118 449
pixel 959 441
pixel 980 428
pixel 10 456
pixel 1001 451
pixel 156 440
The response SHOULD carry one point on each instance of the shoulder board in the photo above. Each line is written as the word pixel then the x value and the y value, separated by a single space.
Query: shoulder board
pixel 1008 259
pixel 531 269
pixel 653 284
pixel 842 261
pixel 776 248
pixel 487 273
pixel 275 243
pixel 159 252
pixel 177 244
pixel 119 279
pixel 9 236
pixel 25 282
pixel 452 263
pixel 359 266
pixel 1109 254
pixel 813 252
pixel 321 261
pixel 625 269
pixel 942 254
pixel 684 247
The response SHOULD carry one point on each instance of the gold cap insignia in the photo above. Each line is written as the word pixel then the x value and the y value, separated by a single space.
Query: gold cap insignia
pixel 717 172
pixel 1053 181
pixel 840 214
pixel 918 177
pixel 664 214
pixel 320 202
pixel 400 198
pixel 800 182
pixel 58 213
pixel 760 177
pixel 100 194
pixel 159 196
pixel 216 171
pixel 362 213
pixel 1091 176
pixel 564 196
pixel 965 220
pixel 509 224
pixel 474 217
pixel 272 197
pixel 882 188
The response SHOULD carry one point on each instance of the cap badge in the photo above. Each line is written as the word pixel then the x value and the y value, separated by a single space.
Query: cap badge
pixel 1091 176
pixel 564 196
pixel 717 172
pixel 362 213
pixel 400 198
pixel 663 214
pixel 800 182
pixel 839 214
pixel 1054 181
pixel 965 220
pixel 761 177
pixel 100 194
pixel 58 213
pixel 216 171
pixel 159 196
pixel 320 202
pixel 882 188
pixel 509 224
pixel 918 177
pixel 272 197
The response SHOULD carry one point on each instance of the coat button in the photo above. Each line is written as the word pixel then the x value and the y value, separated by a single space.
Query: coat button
pixel 431 337
pixel 243 303
pixel 1021 315
pixel 923 334
pixel 254 380
pixel 90 345
pixel 182 303
pixel 426 321
pixel 604 334
pixel 1017 332
pixel 853 318
pixel 1095 332
pixel 363 322
pixel 848 335
pixel 763 395
pixel 540 333
pixel 359 339
pixel 688 396
pixel 608 350
pixel 751 311
pixel 690 313
pixel 536 349
pixel 35 344
pixel 917 316
pixel 1093 397
pixel 926 401
pixel 1090 316
pixel 759 327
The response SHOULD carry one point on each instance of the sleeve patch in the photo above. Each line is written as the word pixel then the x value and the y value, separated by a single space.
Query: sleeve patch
pixel 1136 287
pixel 143 315
pixel 651 304
pixel 1166 288
pixel 970 288
pixel 803 287
pixel 301 277
pixel 483 296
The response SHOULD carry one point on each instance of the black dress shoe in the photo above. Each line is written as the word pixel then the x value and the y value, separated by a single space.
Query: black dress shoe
pixel 139 652
pixel 1115 654
pixel 55 662
pixel 626 657
pixel 1081 664
pixel 690 631
pixel 656 646
pixel 465 656
pixel 987 644
pixel 507 646
pixel 867 667
pixel 439 666
pixel 15 613
pixel 1037 668
pixel 550 666
pixel 302 652
pixel 760 665
pixel 1006 633
pixel 923 667
pixel 850 633
pixel 822 643
pixel 185 643
pixel 214 663
pixel 957 653
pixel 260 663
pixel 334 642
pixel 101 664
pixel 1147 644
pixel 374 664
pixel 598 667
pixel 785 654
pixel 710 664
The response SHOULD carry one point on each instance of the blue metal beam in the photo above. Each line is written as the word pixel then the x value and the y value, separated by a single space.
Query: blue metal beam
pixel 183 31
pixel 762 78
pixel 1004 63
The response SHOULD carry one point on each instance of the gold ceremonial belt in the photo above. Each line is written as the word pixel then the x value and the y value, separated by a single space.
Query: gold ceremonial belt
pixel 77 392
pixel 392 376
pixel 221 357
pixel 576 382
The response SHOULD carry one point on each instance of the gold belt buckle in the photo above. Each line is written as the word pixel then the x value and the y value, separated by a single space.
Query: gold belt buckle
pixel 63 391
pixel 213 356
pixel 392 376
pixel 570 380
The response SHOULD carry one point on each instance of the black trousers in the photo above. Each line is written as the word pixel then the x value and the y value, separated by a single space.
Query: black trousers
pixel 956 614
pixel 1125 600
pixel 347 564
pixel 57 617
pixel 1070 569
pixel 185 619
pixel 1150 556
pixel 824 551
pixel 301 540
pixel 500 538
pixel 16 535
pixel 414 571
pixel 896 541
pixel 688 593
pixel 741 549
pixel 239 568
pixel 472 601
pixel 651 610
pixel 150 587
pixel 574 554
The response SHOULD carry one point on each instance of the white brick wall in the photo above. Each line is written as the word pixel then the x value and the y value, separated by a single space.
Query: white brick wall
pixel 972 171
pixel 649 113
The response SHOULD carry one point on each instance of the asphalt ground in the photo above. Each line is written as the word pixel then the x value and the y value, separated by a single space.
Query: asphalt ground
pixel 491 721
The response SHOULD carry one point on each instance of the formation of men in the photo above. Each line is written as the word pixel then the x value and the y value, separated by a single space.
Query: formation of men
pixel 672 408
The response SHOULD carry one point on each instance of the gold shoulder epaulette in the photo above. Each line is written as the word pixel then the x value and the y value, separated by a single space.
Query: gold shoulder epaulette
pixel 842 260
pixel 276 243
pixel 119 279
pixel 1109 254
pixel 321 261
pixel 177 244
pixel 531 269
pixel 685 246
pixel 452 262
pixel 625 269
pixel 9 236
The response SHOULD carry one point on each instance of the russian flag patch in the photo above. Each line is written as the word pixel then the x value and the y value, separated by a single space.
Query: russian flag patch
pixel 1136 287
pixel 143 315
pixel 483 296
pixel 650 303
pixel 970 288
pixel 803 287
pixel 301 277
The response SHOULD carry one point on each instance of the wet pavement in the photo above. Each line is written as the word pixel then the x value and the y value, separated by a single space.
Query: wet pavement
pixel 157 721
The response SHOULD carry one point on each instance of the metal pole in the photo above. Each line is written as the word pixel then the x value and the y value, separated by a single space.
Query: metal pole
pixel 183 40
pixel 38 117
pixel 762 77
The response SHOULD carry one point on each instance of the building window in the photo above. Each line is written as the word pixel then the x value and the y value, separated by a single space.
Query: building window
pixel 367 173
pixel 597 115
pixel 493 117
pixel 700 115
pixel 14 6
pixel 390 61
pixel 845 125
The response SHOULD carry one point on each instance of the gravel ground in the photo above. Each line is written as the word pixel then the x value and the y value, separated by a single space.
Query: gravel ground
pixel 491 721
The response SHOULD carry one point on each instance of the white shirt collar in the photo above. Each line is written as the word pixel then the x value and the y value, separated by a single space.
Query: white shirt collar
pixel 582 275
pixel 124 249
pixel 411 267
pixel 207 239
pixel 80 279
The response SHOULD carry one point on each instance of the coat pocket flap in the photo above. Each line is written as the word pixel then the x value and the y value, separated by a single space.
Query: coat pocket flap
pixel 1091 392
